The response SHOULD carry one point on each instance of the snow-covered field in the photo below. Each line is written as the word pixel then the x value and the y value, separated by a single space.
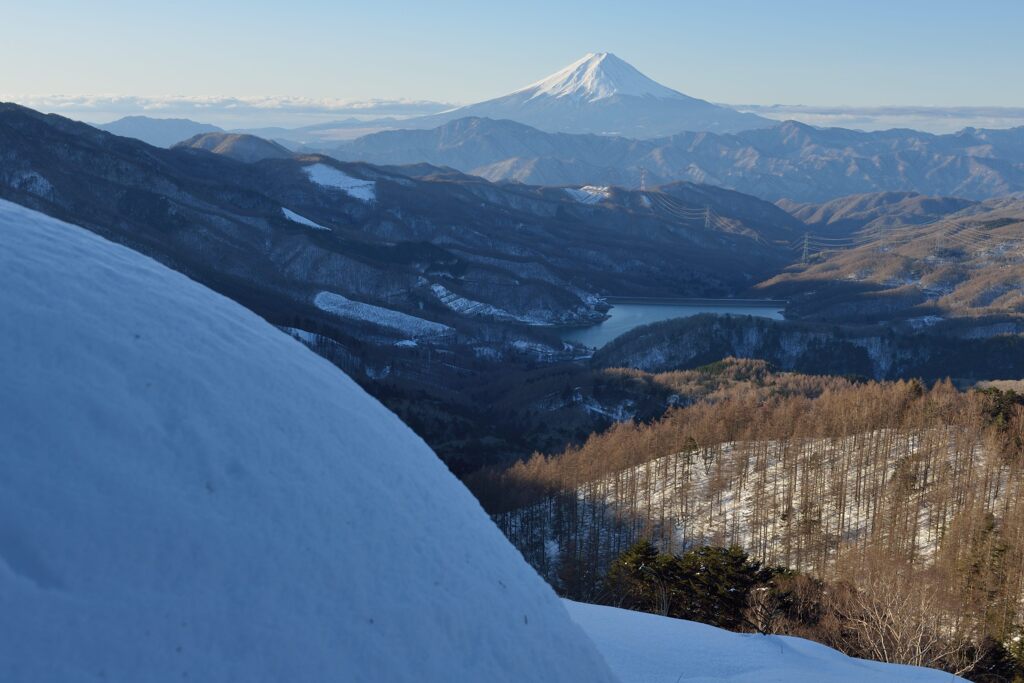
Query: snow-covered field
pixel 328 176
pixel 378 315
pixel 187 493
pixel 301 220
pixel 645 648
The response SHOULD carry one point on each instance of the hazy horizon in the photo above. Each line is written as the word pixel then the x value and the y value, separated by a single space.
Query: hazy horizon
pixel 233 113
pixel 929 56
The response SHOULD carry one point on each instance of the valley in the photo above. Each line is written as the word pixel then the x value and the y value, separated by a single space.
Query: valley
pixel 634 324
pixel 440 291
pixel 627 314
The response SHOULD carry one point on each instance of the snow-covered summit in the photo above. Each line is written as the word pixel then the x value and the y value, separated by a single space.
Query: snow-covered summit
pixel 596 76
pixel 603 94
pixel 186 493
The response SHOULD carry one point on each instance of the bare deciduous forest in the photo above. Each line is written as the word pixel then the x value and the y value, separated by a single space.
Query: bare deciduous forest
pixel 907 497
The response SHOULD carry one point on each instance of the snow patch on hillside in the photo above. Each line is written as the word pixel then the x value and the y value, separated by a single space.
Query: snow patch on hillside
pixel 472 308
pixel 304 336
pixel 645 648
pixel 404 323
pixel 33 183
pixel 186 493
pixel 301 220
pixel 328 176
pixel 589 194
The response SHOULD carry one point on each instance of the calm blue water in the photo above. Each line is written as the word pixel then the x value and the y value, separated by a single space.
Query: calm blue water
pixel 625 317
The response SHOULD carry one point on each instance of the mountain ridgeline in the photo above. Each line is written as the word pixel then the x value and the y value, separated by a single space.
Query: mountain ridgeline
pixel 600 121
pixel 158 132
pixel 382 235
pixel 240 147
pixel 384 271
pixel 789 160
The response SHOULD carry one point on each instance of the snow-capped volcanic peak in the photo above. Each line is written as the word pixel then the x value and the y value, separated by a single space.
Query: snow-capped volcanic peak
pixel 604 95
pixel 597 76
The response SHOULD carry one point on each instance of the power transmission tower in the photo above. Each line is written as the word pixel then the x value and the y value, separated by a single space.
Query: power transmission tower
pixel 807 247
pixel 707 217
pixel 643 179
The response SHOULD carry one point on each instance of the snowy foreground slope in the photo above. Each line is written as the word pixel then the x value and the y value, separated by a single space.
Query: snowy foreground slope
pixel 188 494
pixel 644 648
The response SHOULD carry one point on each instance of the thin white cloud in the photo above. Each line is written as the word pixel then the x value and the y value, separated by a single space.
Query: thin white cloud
pixel 931 119
pixel 228 112
pixel 292 112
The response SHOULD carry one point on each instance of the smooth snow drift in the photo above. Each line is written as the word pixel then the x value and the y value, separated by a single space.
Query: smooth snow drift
pixel 186 493
pixel 644 648
pixel 328 176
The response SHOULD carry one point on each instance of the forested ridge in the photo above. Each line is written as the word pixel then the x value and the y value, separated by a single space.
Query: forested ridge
pixel 876 486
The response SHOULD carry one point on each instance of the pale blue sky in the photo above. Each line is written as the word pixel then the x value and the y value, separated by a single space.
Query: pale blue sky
pixel 850 53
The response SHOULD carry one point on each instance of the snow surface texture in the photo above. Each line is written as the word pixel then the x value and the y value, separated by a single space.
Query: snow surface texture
pixel 645 648
pixel 186 493
pixel 301 220
pixel 344 307
pixel 599 75
pixel 328 176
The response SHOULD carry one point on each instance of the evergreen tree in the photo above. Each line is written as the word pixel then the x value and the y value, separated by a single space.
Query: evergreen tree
pixel 643 579
pixel 715 585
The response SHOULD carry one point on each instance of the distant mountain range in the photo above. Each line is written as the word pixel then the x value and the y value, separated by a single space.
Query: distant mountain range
pixel 876 211
pixel 281 229
pixel 599 121
pixel 599 93
pixel 923 259
pixel 245 148
pixel 791 160
pixel 420 281
pixel 157 132
pixel 421 278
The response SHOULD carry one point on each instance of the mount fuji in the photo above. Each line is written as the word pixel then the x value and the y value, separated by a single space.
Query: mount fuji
pixel 603 94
